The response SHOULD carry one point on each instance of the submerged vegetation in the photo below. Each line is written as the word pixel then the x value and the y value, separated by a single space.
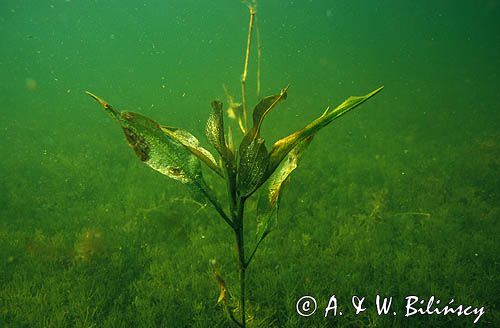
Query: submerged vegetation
pixel 89 238
pixel 177 154
pixel 153 272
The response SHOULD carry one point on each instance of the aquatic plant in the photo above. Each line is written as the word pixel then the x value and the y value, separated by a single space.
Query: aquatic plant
pixel 244 169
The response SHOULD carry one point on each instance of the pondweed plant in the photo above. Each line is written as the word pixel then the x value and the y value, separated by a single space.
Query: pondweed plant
pixel 245 168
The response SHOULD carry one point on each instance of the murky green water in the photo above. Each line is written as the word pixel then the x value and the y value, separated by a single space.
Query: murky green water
pixel 398 198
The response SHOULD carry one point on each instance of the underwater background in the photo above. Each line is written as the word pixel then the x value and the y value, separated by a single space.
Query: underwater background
pixel 400 197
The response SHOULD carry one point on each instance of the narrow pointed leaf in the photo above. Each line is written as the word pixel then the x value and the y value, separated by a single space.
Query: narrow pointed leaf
pixel 192 144
pixel 253 156
pixel 155 148
pixel 109 109
pixel 264 107
pixel 266 222
pixel 282 147
pixel 215 132
pixel 286 168
pixel 268 216
pixel 222 287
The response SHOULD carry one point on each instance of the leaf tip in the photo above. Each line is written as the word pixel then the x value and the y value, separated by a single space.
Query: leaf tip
pixel 99 100
pixel 284 91
pixel 378 90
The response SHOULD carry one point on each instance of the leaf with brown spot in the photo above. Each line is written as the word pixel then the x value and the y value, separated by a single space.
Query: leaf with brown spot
pixel 163 152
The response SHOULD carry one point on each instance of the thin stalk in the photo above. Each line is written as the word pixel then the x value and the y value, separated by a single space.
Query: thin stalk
pixel 240 242
pixel 217 206
pixel 231 189
pixel 242 298
pixel 255 250
pixel 245 67
pixel 237 201
pixel 259 55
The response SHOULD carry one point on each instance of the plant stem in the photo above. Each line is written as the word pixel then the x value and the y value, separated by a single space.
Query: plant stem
pixel 259 56
pixel 241 256
pixel 216 205
pixel 237 201
pixel 255 250
pixel 245 67
pixel 242 282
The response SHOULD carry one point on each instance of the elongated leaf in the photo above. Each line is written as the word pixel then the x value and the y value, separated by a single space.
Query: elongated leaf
pixel 264 107
pixel 268 215
pixel 286 168
pixel 223 294
pixel 253 156
pixel 266 222
pixel 252 165
pixel 192 144
pixel 222 286
pixel 215 132
pixel 155 148
pixel 283 146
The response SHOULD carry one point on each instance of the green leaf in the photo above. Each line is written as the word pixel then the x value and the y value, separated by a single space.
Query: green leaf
pixel 283 146
pixel 215 132
pixel 266 222
pixel 253 155
pixel 192 144
pixel 252 164
pixel 268 216
pixel 264 107
pixel 285 169
pixel 157 149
